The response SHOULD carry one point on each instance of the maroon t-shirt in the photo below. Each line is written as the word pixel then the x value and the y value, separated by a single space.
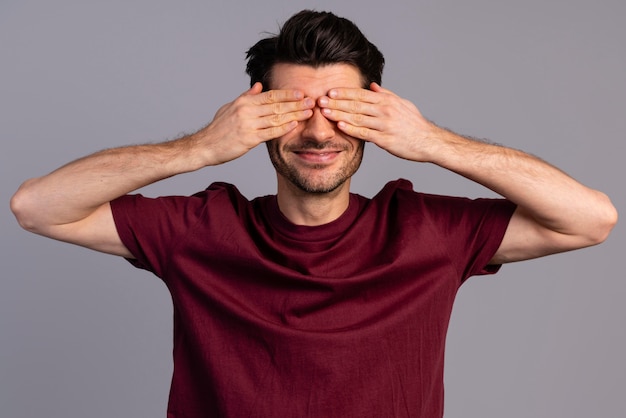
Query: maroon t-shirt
pixel 346 319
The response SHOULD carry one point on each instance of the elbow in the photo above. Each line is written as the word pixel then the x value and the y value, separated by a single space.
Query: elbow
pixel 605 220
pixel 22 206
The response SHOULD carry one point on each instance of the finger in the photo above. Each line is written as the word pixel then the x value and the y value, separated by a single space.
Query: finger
pixel 277 96
pixel 377 88
pixel 361 95
pixel 274 132
pixel 360 132
pixel 255 89
pixel 281 108
pixel 347 106
pixel 355 119
pixel 274 103
pixel 278 119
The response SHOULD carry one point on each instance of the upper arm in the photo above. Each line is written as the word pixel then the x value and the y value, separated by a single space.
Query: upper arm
pixel 525 238
pixel 97 232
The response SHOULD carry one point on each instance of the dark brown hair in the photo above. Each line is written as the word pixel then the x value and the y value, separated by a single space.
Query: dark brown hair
pixel 315 39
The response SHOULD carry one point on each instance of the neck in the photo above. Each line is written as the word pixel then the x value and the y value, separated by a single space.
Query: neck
pixel 312 209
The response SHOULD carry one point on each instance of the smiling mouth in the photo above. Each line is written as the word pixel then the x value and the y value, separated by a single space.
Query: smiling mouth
pixel 318 152
pixel 318 156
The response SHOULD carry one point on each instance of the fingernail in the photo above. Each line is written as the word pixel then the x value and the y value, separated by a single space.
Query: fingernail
pixel 323 101
pixel 332 93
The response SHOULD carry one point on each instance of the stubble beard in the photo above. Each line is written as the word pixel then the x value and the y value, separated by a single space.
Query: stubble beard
pixel 314 184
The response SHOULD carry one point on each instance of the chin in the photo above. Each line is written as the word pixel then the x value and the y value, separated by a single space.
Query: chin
pixel 319 188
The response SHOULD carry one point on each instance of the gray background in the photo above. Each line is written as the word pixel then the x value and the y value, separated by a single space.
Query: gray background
pixel 85 335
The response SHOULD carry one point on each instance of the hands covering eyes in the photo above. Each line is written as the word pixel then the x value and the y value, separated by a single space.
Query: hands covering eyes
pixel 377 115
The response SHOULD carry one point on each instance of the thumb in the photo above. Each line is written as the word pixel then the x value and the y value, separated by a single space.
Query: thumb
pixel 255 89
pixel 378 89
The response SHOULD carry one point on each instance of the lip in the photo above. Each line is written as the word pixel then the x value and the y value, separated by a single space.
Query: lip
pixel 318 156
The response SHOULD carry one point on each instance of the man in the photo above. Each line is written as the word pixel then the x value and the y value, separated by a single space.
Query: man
pixel 314 302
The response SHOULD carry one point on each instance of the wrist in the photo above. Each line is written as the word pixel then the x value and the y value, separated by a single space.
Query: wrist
pixel 442 145
pixel 190 153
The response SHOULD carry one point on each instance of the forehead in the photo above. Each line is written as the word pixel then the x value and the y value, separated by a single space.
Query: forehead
pixel 315 81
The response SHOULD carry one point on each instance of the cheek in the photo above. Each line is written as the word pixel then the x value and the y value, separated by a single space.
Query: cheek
pixel 275 145
pixel 355 142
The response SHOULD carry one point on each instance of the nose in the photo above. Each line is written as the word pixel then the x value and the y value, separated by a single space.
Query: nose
pixel 318 127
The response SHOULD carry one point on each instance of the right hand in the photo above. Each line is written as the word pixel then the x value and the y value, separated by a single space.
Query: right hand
pixel 253 118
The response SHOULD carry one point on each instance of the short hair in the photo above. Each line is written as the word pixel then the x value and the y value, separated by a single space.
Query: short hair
pixel 315 39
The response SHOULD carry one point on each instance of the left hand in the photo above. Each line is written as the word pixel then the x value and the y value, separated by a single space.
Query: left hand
pixel 382 117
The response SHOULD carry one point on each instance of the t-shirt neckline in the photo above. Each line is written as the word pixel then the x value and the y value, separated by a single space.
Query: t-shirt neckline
pixel 331 230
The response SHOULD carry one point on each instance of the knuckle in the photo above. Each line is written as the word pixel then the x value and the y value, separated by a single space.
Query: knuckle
pixel 277 108
pixel 364 133
pixel 276 120
pixel 239 111
pixel 273 132
pixel 270 96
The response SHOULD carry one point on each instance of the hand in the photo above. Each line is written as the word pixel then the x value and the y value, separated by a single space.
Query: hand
pixel 253 118
pixel 382 117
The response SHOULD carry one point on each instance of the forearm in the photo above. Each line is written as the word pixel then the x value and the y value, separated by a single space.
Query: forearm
pixel 75 190
pixel 551 197
pixel 555 213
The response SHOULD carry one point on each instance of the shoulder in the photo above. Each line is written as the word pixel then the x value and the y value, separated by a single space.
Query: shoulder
pixel 399 196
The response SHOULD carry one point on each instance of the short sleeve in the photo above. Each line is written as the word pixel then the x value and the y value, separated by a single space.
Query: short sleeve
pixel 152 227
pixel 465 232
pixel 470 230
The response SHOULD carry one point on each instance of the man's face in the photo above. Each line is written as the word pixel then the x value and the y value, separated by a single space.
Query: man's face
pixel 316 157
